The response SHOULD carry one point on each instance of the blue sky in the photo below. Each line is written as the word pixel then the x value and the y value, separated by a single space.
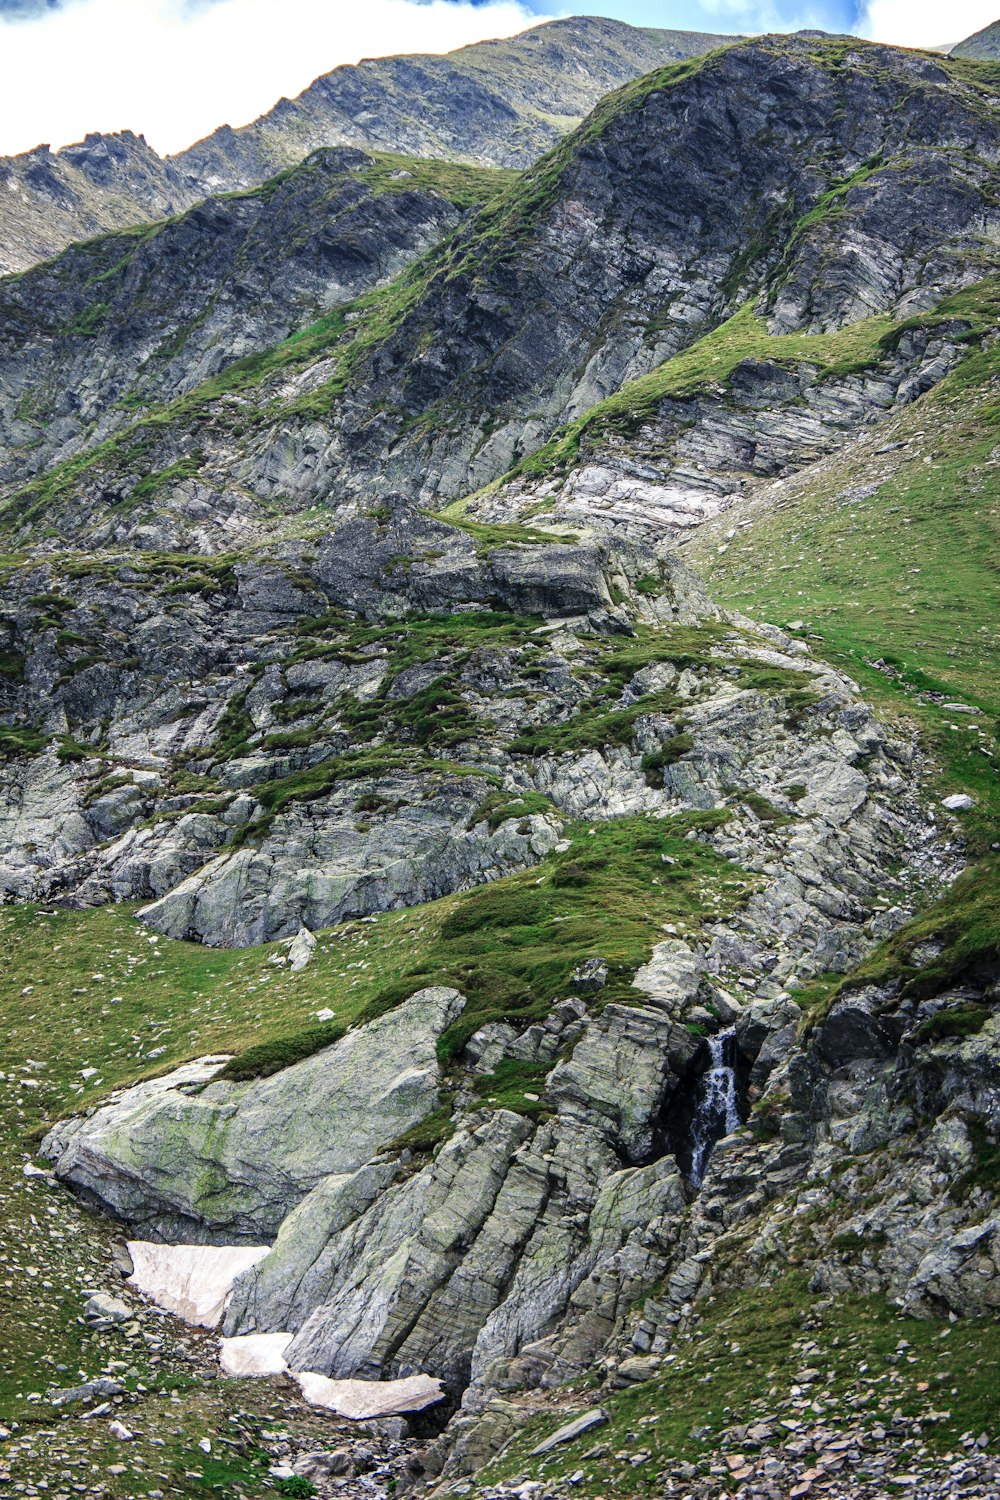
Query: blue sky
pixel 175 69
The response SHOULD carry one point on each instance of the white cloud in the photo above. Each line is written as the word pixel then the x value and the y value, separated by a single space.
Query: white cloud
pixel 925 23
pixel 174 71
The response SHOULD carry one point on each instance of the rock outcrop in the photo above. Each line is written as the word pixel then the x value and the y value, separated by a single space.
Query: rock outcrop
pixel 226 1162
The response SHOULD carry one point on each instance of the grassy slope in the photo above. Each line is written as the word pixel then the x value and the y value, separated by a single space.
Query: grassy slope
pixel 888 557
pixel 738 1366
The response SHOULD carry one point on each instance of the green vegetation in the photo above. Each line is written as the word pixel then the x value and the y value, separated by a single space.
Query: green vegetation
pixel 424 1137
pixel 966 925
pixel 271 1056
pixel 889 558
pixel 88 323
pixel 672 750
pixel 956 1021
pixel 11 666
pixel 741 1362
pixel 512 946
pixel 513 1085
pixel 149 487
pixel 500 806
pixel 593 727
pixel 16 741
pixel 464 185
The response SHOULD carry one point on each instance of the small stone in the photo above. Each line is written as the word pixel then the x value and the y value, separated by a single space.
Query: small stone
pixel 104 1308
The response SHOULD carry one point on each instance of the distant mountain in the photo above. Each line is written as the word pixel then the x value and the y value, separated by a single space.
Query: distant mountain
pixel 500 103
pixel 982 46
pixel 49 199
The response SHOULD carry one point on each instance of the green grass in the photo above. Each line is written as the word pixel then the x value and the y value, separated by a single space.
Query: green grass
pixel 17 741
pixel 464 185
pixel 514 1085
pixel 739 1367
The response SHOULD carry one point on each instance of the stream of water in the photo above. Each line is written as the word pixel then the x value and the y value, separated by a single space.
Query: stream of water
pixel 716 1113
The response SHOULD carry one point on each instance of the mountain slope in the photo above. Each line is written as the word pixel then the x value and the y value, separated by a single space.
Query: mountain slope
pixel 982 46
pixel 125 321
pixel 556 978
pixel 49 199
pixel 500 103
pixel 496 103
pixel 837 182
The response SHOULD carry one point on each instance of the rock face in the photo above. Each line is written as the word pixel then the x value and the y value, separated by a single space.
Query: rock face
pixel 314 866
pixel 226 1164
pixel 178 303
pixel 497 103
pixel 104 182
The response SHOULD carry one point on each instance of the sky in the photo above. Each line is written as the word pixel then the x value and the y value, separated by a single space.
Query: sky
pixel 175 69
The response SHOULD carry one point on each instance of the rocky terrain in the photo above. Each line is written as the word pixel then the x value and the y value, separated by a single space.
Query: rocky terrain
pixel 499 103
pixel 498 812
pixel 494 104
pixel 51 198
pixel 181 302
pixel 495 352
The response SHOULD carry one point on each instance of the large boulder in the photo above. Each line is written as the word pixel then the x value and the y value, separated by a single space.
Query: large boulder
pixel 226 1163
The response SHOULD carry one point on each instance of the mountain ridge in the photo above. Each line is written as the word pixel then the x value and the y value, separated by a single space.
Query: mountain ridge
pixel 981 46
pixel 495 103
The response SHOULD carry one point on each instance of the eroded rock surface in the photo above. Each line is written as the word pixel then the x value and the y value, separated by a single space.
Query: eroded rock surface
pixel 227 1162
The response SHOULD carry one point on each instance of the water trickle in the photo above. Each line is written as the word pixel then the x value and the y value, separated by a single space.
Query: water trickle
pixel 716 1113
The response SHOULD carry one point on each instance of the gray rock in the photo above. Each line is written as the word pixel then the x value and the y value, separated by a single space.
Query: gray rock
pixel 103 1308
pixel 92 1390
pixel 598 1417
pixel 228 1164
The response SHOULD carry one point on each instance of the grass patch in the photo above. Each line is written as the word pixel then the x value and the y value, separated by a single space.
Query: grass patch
pixel 271 1056
pixel 739 1367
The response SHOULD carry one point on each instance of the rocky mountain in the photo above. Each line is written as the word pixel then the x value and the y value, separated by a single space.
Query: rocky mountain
pixel 499 806
pixel 982 46
pixel 50 198
pixel 494 104
pixel 130 320
pixel 515 328
pixel 499 103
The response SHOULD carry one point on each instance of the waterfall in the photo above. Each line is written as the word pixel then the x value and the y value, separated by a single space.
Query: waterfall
pixel 716 1113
